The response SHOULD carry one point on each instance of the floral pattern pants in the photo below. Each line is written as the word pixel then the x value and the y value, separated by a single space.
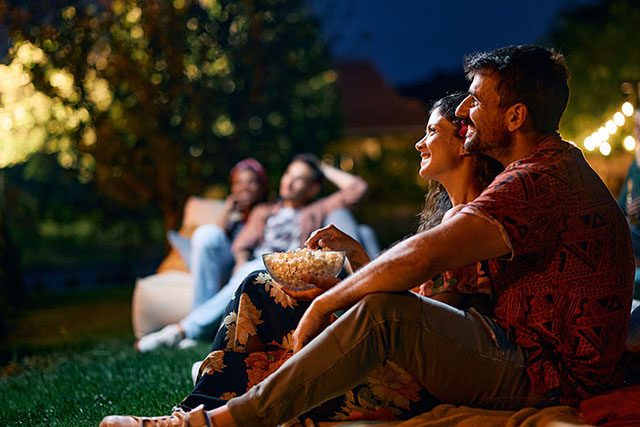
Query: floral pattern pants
pixel 255 338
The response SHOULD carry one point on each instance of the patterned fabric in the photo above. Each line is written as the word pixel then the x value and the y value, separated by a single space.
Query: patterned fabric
pixel 255 339
pixel 281 232
pixel 472 278
pixel 565 294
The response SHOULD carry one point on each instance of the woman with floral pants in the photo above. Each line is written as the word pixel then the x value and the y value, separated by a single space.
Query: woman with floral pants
pixel 255 339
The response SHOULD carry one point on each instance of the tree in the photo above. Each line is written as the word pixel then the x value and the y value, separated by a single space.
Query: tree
pixel 155 99
pixel 600 41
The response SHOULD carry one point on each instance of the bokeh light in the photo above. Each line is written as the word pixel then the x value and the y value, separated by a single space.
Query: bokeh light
pixel 627 109
pixel 629 143
pixel 605 148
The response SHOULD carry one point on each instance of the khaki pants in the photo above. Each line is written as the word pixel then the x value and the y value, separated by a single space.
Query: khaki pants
pixel 459 357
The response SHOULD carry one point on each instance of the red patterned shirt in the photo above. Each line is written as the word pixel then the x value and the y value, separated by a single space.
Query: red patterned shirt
pixel 564 296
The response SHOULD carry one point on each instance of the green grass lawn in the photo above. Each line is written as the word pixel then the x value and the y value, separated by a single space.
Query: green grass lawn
pixel 73 363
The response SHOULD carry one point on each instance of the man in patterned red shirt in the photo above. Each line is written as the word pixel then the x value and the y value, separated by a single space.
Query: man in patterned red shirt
pixel 563 293
pixel 561 261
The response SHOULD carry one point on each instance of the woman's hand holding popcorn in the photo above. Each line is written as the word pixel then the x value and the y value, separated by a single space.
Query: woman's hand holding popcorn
pixel 332 238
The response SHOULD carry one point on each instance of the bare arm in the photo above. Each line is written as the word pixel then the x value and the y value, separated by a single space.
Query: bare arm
pixel 228 208
pixel 339 178
pixel 461 240
pixel 351 189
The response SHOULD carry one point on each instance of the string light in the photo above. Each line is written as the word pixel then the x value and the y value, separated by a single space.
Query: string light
pixel 629 143
pixel 590 143
pixel 603 134
pixel 605 148
pixel 600 138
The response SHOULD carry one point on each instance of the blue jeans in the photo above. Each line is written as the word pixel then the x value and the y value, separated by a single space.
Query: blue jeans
pixel 459 357
pixel 202 322
pixel 210 262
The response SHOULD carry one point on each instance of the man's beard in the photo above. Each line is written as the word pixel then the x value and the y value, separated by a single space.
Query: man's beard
pixel 496 145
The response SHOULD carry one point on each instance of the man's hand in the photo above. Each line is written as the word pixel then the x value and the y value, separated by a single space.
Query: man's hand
pixel 314 321
pixel 321 284
pixel 332 238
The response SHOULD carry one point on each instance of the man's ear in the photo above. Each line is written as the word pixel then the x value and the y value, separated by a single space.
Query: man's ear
pixel 516 116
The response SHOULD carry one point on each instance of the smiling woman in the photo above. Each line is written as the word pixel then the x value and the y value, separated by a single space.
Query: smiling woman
pixel 445 162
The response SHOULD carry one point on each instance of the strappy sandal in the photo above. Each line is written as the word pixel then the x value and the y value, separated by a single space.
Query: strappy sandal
pixel 179 418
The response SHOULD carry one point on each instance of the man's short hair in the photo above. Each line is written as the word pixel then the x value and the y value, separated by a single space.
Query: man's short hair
pixel 533 75
pixel 313 163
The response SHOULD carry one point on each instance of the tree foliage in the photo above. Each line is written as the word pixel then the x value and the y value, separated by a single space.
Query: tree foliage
pixel 600 41
pixel 155 99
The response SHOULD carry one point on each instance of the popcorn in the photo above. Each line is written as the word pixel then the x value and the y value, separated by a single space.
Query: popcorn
pixel 286 267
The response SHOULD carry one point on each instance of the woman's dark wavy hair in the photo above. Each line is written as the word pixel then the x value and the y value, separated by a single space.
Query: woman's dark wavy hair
pixel 437 202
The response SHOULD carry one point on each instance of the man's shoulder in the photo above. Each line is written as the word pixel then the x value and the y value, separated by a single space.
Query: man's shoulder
pixel 557 159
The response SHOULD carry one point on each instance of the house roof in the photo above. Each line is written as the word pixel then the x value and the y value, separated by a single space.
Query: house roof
pixel 370 103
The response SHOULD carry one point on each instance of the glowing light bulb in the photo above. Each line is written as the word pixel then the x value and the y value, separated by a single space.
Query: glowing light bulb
pixel 627 109
pixel 605 148
pixel 590 143
pixel 618 118
pixel 629 143
pixel 603 134
pixel 611 127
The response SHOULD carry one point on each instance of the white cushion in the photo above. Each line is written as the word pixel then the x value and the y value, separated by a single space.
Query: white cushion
pixel 198 211
pixel 159 300
pixel 166 297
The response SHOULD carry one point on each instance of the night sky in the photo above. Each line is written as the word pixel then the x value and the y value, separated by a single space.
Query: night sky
pixel 408 40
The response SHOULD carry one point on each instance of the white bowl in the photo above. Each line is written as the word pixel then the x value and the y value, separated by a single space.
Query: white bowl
pixel 285 268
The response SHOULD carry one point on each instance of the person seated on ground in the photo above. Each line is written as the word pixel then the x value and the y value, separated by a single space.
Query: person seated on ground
pixel 255 335
pixel 270 227
pixel 561 267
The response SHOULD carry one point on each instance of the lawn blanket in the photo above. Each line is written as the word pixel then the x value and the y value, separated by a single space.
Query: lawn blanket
pixel 463 416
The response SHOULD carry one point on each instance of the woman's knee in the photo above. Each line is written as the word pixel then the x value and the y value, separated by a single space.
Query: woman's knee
pixel 209 236
pixel 252 283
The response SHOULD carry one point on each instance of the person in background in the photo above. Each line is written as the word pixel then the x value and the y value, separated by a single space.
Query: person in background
pixel 629 198
pixel 208 252
pixel 629 201
pixel 271 227
pixel 210 257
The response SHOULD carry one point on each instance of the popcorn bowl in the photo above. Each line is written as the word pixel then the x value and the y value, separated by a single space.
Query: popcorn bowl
pixel 286 268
